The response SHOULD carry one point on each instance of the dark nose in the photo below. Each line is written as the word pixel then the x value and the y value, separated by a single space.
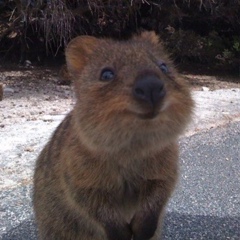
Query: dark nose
pixel 149 88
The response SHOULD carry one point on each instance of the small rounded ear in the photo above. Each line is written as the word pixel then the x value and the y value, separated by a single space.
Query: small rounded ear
pixel 78 52
pixel 150 36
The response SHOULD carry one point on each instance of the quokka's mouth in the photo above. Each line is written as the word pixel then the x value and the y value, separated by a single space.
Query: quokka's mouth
pixel 145 112
pixel 149 115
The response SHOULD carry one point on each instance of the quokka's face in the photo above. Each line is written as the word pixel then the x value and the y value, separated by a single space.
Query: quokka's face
pixel 126 90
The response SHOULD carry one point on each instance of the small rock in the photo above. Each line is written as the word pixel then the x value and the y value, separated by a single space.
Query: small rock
pixel 29 149
pixel 205 89
pixel 8 90
pixel 47 118
pixel 27 64
pixel 48 98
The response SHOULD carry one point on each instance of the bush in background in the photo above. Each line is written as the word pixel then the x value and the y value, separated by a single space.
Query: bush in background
pixel 204 31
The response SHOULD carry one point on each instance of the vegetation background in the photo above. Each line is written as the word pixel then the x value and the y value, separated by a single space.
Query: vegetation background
pixel 200 31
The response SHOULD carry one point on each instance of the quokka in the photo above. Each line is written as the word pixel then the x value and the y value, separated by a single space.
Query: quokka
pixel 112 164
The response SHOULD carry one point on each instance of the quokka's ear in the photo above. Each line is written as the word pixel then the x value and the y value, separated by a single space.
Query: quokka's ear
pixel 149 36
pixel 78 52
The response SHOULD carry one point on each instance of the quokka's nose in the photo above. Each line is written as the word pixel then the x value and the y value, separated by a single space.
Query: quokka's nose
pixel 149 88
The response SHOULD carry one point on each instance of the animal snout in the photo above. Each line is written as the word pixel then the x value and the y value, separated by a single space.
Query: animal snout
pixel 149 88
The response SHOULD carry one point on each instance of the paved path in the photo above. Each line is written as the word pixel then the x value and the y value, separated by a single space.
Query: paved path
pixel 206 204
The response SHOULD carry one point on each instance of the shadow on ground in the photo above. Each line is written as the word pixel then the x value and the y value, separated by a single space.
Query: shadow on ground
pixel 176 226
pixel 24 231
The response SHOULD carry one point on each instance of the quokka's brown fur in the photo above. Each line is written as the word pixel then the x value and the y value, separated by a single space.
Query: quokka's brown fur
pixel 112 164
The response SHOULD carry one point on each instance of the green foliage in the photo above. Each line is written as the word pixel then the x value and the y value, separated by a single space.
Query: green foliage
pixel 236 43
pixel 231 54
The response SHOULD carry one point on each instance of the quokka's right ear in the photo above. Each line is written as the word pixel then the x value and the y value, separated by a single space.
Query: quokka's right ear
pixel 78 52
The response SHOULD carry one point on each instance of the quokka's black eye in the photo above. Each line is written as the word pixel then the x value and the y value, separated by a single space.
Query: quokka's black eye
pixel 107 75
pixel 163 67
